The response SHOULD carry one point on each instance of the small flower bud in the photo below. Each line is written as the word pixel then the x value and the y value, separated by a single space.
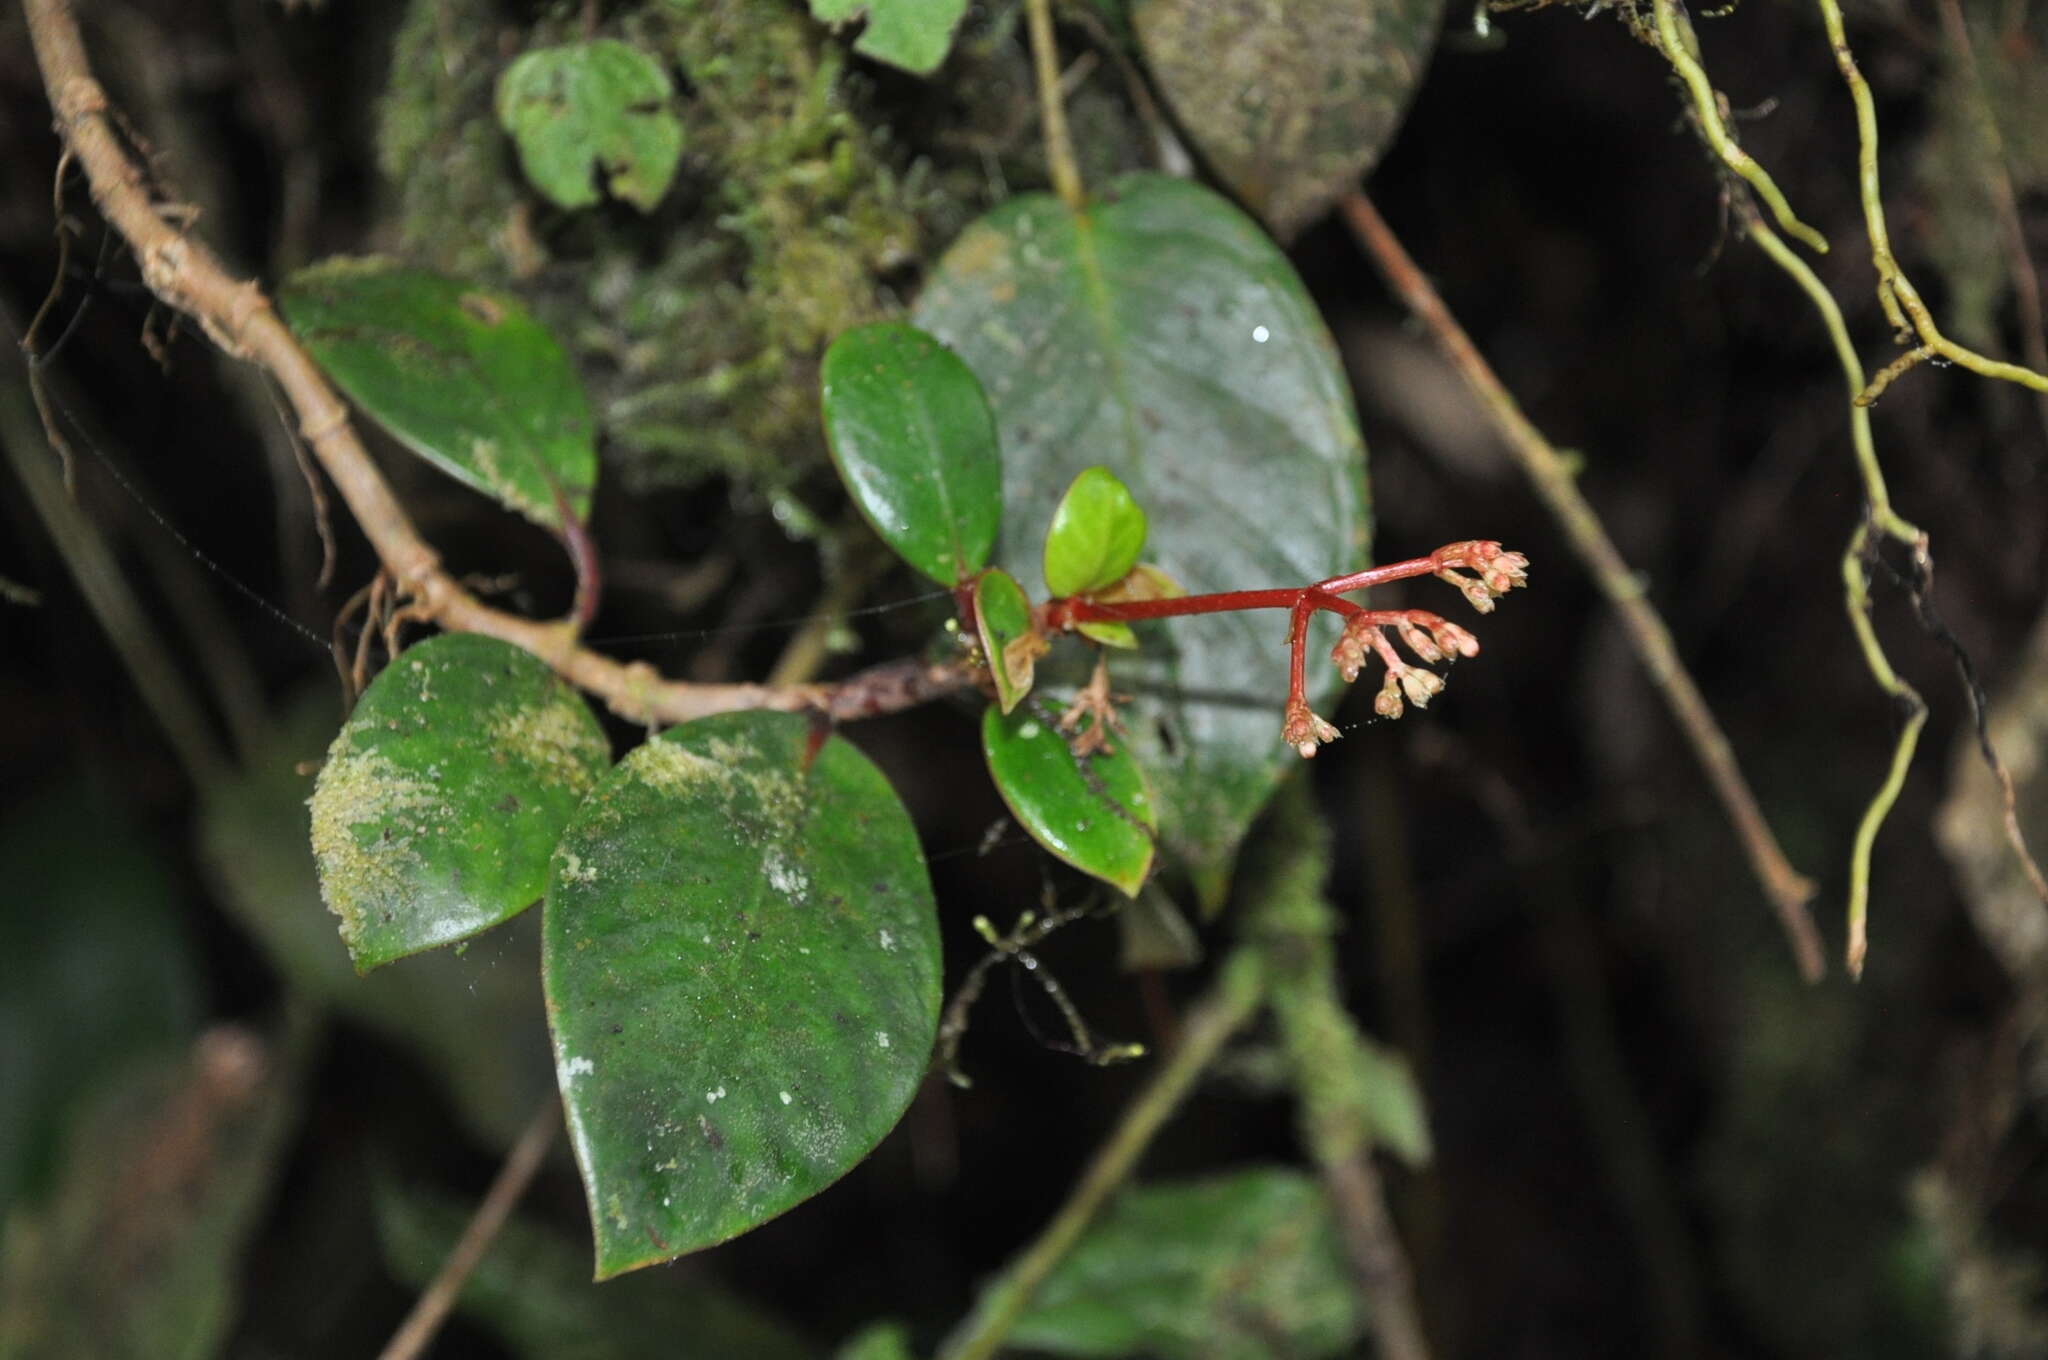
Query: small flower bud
pixel 1419 642
pixel 1387 703
pixel 1421 686
pixel 1304 731
pixel 1452 638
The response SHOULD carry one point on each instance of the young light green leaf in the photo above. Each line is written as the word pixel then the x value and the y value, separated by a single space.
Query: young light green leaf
pixel 1291 101
pixel 741 960
pixel 915 443
pixel 1163 334
pixel 463 376
pixel 588 109
pixel 1095 811
pixel 1394 1104
pixel 914 35
pixel 1003 617
pixel 1097 532
pixel 444 793
pixel 1236 1267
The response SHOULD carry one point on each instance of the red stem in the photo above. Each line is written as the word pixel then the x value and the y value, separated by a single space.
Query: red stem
pixel 1060 614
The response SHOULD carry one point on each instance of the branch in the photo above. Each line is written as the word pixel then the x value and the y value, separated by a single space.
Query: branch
pixel 1229 1005
pixel 1788 890
pixel 1059 146
pixel 236 315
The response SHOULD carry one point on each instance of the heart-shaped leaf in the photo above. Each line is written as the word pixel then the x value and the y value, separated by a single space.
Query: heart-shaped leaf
pixel 1161 333
pixel 1245 1265
pixel 1097 532
pixel 911 433
pixel 463 376
pixel 1291 101
pixel 914 35
pixel 589 109
pixel 741 959
pixel 1094 811
pixel 444 793
pixel 1003 617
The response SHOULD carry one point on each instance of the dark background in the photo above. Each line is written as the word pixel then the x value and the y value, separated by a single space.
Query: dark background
pixel 1651 1138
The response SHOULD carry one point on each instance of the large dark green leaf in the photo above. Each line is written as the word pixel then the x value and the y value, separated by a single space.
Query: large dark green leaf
pixel 463 375
pixel 742 970
pixel 1092 811
pixel 591 108
pixel 471 1014
pixel 912 34
pixel 444 793
pixel 1292 101
pixel 911 433
pixel 1163 335
pixel 533 1290
pixel 1245 1265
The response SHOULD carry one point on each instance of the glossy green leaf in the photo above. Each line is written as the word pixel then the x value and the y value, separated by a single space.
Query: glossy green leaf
pixel 444 793
pixel 1096 534
pixel 471 1015
pixel 914 35
pixel 591 109
pixel 742 972
pixel 1245 1265
pixel 1003 617
pixel 140 1249
pixel 533 1290
pixel 463 376
pixel 1095 811
pixel 1290 101
pixel 1164 335
pixel 912 436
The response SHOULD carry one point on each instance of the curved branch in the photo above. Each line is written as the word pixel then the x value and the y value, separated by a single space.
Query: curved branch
pixel 238 316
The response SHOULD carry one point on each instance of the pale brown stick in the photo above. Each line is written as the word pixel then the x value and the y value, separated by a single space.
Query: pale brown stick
pixel 236 315
pixel 434 1304
pixel 1788 889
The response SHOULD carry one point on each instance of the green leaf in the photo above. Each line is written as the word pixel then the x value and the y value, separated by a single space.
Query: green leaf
pixel 444 793
pixel 1094 812
pixel 1003 617
pixel 1290 101
pixel 885 1340
pixel 912 436
pixel 1163 334
pixel 463 376
pixel 1244 1265
pixel 914 35
pixel 1393 1103
pixel 1096 535
pixel 588 109
pixel 533 1290
pixel 471 1015
pixel 742 971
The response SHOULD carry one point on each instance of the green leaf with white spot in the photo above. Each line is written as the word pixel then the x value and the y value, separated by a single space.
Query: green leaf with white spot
pixel 1094 811
pixel 1238 1267
pixel 444 793
pixel 463 376
pixel 1163 334
pixel 592 110
pixel 1003 617
pixel 741 960
pixel 912 436
pixel 1097 532
pixel 914 35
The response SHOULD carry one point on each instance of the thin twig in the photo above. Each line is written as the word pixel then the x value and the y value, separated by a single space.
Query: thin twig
pixel 1052 107
pixel 1901 301
pixel 236 315
pixel 1232 1002
pixel 1788 890
pixel 431 1309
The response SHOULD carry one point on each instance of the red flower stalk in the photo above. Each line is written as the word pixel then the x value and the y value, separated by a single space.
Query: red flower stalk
pixel 1429 636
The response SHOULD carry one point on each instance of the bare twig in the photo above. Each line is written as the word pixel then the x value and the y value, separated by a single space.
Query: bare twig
pixel 434 1304
pixel 1788 889
pixel 1059 146
pixel 236 315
